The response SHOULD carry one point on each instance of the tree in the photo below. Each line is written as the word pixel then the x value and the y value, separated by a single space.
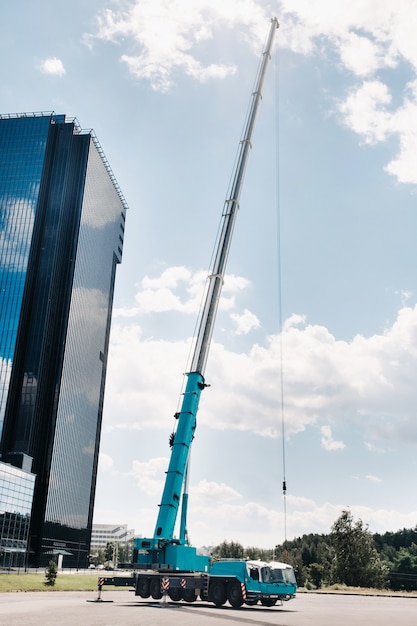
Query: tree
pixel 356 561
pixel 403 574
pixel 108 552
pixel 305 551
pixel 51 573
pixel 126 551
pixel 315 574
pixel 99 558
pixel 260 554
pixel 229 550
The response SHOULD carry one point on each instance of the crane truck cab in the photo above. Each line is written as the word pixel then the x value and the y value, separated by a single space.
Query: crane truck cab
pixel 250 582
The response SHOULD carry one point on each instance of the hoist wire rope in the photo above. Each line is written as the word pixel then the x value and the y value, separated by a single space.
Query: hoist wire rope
pixel 279 281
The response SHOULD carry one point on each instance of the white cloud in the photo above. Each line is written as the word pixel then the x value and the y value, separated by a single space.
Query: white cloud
pixel 327 440
pixel 257 525
pixel 171 37
pixel 371 35
pixel 5 373
pixel 370 380
pixel 88 320
pixel 361 55
pixel 373 448
pixel 403 124
pixel 211 525
pixel 322 516
pixel 367 38
pixel 149 475
pixel 373 479
pixel 405 296
pixel 134 379
pixel 52 65
pixel 245 322
pixel 299 502
pixel 168 36
pixel 158 294
pixel 18 218
pixel 179 289
pixel 105 461
pixel 210 493
pixel 365 113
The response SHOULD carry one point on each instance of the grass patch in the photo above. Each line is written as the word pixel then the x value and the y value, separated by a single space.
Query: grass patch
pixel 37 582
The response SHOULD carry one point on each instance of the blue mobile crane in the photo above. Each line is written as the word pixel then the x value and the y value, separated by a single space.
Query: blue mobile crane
pixel 167 564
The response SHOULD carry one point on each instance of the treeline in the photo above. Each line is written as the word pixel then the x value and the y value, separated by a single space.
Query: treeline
pixel 350 554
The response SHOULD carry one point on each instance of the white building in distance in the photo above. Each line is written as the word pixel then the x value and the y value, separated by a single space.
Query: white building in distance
pixel 102 534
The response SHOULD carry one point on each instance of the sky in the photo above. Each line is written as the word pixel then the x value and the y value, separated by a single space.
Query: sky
pixel 313 364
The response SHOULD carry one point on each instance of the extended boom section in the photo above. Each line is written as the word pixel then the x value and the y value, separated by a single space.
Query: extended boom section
pixel 179 457
pixel 231 207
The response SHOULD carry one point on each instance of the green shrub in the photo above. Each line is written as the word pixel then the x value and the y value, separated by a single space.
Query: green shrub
pixel 51 573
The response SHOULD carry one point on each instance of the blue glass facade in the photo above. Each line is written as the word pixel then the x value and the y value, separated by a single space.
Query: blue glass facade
pixel 22 149
pixel 64 215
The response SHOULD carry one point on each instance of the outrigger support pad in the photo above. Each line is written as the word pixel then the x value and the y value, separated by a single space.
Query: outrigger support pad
pixel 100 584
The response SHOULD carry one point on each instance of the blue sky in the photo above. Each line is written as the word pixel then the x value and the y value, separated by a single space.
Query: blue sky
pixel 166 85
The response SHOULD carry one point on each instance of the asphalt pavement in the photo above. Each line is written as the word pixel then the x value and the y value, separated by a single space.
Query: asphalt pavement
pixel 123 608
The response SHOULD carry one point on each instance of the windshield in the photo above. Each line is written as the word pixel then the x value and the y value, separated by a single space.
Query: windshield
pixel 278 575
pixel 284 575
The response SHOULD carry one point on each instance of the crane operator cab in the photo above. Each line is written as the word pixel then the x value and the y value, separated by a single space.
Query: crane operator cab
pixel 258 570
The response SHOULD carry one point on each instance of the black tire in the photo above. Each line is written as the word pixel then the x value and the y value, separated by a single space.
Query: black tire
pixel 142 588
pixel 155 589
pixel 189 595
pixel 218 592
pixel 234 594
pixel 268 602
pixel 175 594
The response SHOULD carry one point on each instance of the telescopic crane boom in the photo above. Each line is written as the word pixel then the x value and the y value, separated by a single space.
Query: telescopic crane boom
pixel 163 550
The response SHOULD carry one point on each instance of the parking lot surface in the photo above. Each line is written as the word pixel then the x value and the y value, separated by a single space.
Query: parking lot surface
pixel 122 608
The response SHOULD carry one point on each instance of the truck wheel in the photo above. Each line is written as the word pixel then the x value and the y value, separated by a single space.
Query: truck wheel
pixel 268 602
pixel 217 592
pixel 234 594
pixel 175 594
pixel 142 588
pixel 189 595
pixel 155 588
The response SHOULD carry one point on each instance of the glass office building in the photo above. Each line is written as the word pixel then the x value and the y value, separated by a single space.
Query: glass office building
pixel 62 219
pixel 16 494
